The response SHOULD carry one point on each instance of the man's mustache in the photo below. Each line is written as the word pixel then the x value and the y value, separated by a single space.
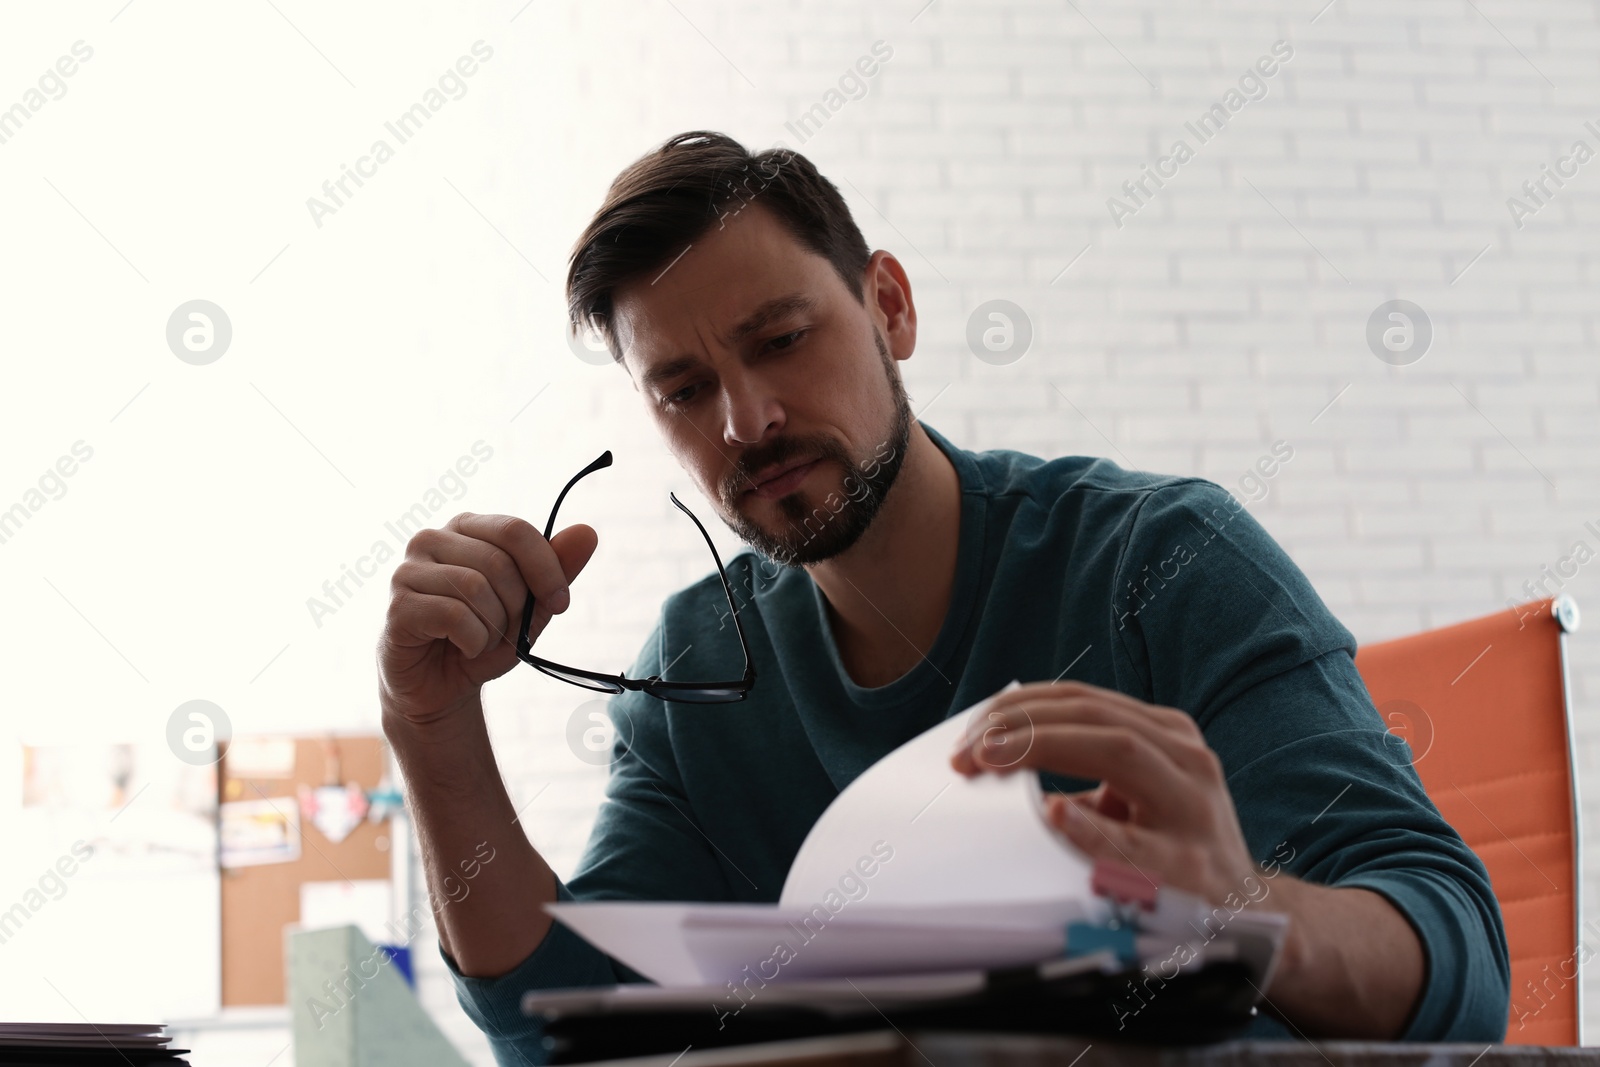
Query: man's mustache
pixel 782 451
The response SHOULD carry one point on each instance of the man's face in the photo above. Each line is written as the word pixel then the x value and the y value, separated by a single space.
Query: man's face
pixel 771 384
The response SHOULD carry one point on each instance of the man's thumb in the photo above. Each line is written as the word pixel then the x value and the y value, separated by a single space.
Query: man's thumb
pixel 574 546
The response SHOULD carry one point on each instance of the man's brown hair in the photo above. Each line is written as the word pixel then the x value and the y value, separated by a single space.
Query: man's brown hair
pixel 666 199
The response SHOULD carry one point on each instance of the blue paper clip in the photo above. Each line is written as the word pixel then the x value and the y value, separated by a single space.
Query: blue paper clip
pixel 1083 939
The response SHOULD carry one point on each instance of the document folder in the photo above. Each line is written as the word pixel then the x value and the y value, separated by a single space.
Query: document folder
pixel 1098 999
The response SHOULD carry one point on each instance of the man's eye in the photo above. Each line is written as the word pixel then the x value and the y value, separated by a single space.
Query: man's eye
pixel 786 340
pixel 681 397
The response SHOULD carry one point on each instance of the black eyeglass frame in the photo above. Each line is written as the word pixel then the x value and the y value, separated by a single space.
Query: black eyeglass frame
pixel 656 686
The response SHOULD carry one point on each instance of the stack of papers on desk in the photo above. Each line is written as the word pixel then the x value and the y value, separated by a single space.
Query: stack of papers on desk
pixel 140 1044
pixel 916 878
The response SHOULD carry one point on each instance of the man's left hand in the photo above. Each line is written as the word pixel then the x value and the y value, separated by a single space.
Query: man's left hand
pixel 1352 965
pixel 1162 805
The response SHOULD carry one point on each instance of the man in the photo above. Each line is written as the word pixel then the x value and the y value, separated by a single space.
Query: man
pixel 1190 699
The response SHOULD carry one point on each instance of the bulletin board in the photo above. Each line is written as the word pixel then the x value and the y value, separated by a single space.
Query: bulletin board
pixel 260 899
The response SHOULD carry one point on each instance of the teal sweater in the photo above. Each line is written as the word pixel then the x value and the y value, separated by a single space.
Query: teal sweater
pixel 1163 588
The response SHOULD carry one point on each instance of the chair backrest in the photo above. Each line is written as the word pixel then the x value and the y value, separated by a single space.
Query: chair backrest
pixel 1484 707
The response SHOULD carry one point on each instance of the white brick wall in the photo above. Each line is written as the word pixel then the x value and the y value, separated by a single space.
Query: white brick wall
pixel 412 323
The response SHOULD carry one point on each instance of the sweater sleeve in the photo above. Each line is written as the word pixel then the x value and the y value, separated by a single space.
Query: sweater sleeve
pixel 562 960
pixel 1220 623
pixel 646 845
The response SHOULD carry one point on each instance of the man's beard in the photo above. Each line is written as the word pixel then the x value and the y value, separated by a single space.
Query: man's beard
pixel 828 527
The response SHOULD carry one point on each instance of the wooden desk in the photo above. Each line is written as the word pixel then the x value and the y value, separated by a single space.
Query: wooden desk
pixel 888 1048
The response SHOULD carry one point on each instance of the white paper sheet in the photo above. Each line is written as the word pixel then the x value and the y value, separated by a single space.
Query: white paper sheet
pixel 980 842
pixel 913 868
pixel 696 944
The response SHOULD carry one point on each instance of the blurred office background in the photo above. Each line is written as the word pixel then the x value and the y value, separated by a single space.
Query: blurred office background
pixel 418 319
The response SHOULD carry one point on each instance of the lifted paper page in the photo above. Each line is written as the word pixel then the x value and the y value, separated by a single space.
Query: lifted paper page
pixel 949 839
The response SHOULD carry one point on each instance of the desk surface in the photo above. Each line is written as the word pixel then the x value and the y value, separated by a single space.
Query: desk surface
pixel 889 1048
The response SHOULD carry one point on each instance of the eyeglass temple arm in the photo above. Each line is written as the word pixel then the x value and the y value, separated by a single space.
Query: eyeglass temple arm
pixel 722 574
pixel 601 462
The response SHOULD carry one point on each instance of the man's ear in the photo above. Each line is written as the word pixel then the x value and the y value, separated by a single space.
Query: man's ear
pixel 887 291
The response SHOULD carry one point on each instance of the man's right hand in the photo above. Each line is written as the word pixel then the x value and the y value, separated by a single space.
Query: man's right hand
pixel 455 605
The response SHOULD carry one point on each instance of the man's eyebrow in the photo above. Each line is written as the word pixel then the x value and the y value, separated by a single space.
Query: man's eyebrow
pixel 763 316
pixel 668 370
pixel 757 320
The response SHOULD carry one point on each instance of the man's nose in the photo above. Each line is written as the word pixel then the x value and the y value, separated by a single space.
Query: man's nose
pixel 752 411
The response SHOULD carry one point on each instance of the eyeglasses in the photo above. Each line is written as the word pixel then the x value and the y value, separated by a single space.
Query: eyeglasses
pixel 682 692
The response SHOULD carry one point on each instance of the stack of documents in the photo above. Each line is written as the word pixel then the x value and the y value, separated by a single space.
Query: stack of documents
pixel 916 884
pixel 140 1044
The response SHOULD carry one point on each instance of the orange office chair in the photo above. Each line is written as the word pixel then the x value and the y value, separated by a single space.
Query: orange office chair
pixel 1485 707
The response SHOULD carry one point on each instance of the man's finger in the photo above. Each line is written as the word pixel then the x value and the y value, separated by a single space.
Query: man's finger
pixel 1181 742
pixel 541 567
pixel 418 618
pixel 464 584
pixel 456 546
pixel 1109 802
pixel 1137 769
pixel 1100 837
pixel 1037 693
